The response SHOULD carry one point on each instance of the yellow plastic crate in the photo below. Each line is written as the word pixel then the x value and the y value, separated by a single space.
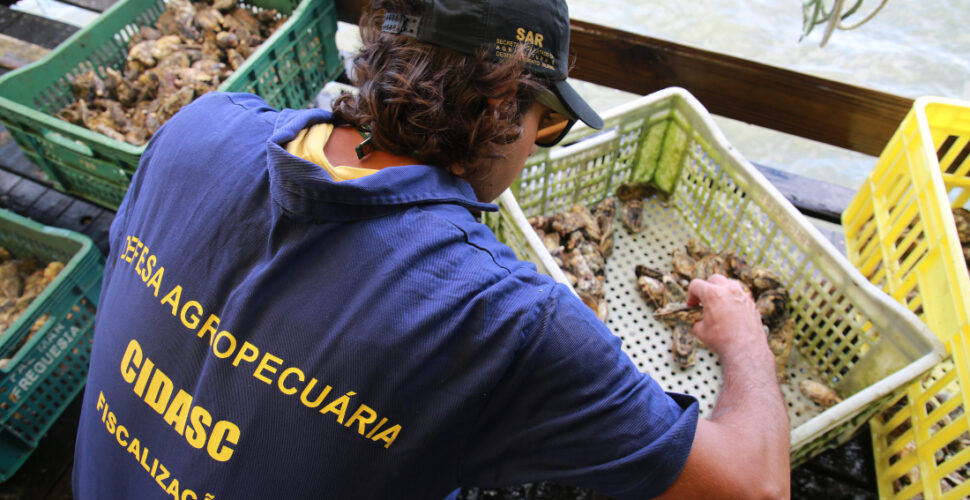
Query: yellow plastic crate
pixel 900 233
pixel 848 332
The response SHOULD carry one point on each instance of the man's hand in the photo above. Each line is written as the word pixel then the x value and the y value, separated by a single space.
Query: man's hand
pixel 731 323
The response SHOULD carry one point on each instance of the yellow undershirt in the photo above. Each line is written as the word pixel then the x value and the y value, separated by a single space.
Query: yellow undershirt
pixel 308 144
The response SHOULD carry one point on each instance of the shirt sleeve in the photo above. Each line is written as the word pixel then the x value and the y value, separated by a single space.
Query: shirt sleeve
pixel 574 409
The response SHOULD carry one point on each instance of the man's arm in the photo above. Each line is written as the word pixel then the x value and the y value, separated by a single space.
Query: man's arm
pixel 742 450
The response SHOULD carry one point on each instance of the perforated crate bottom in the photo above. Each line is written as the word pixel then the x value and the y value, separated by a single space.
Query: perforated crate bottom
pixel 648 341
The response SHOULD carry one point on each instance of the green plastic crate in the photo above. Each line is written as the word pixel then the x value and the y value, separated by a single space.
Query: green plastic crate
pixel 287 70
pixel 847 332
pixel 45 374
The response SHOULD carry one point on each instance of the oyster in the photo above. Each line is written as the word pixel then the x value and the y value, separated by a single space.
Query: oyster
pixel 591 227
pixel 604 214
pixel 567 223
pixel 631 214
pixel 679 312
pixel 780 342
pixel 773 306
pixel 696 249
pixel 674 291
pixel 209 19
pixel 652 290
pixel 551 240
pixel 634 191
pixel 641 270
pixel 685 345
pixel 682 263
pixel 574 239
pixel 819 393
pixel 224 5
pixel 760 279
pixel 11 283
pixel 709 265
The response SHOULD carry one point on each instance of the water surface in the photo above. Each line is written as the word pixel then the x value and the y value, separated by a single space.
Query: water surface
pixel 911 48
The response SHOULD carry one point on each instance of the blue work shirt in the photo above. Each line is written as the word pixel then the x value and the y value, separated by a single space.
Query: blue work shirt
pixel 266 332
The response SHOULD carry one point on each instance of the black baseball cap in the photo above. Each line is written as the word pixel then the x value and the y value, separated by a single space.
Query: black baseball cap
pixel 498 27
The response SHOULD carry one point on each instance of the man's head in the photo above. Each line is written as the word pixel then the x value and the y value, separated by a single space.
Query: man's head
pixel 449 82
pixel 498 28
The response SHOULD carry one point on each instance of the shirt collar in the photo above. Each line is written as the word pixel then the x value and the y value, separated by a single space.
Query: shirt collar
pixel 303 188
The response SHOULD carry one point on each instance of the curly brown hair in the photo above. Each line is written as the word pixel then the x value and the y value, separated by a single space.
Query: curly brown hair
pixel 432 103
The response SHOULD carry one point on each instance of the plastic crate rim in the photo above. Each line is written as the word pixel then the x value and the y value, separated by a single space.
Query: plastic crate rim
pixel 700 118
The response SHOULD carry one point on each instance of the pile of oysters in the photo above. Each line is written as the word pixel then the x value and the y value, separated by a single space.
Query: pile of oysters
pixel 667 292
pixel 192 48
pixel 580 241
pixel 21 281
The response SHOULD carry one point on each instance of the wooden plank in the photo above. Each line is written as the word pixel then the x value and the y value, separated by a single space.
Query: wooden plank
pixel 49 207
pixel 24 195
pixel 7 181
pixel 827 111
pixel 823 110
pixel 15 53
pixel 95 5
pixel 12 158
pixel 34 29
pixel 814 198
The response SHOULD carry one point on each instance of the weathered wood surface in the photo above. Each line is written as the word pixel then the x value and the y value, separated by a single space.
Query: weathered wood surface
pixel 827 111
pixel 37 30
pixel 814 198
pixel 15 53
pixel 95 5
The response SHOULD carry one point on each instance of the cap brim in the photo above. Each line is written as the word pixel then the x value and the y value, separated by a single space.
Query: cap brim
pixel 575 104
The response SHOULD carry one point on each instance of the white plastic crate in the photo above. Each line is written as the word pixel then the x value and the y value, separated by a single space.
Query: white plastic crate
pixel 847 332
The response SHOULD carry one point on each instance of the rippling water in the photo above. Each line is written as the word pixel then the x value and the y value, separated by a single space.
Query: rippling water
pixel 911 48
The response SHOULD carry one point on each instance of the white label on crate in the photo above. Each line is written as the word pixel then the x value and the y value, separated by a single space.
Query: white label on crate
pixel 52 346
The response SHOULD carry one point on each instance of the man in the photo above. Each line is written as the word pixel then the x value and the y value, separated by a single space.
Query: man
pixel 302 305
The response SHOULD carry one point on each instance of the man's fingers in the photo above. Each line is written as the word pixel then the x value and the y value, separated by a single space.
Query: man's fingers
pixel 697 290
pixel 718 279
pixel 697 327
